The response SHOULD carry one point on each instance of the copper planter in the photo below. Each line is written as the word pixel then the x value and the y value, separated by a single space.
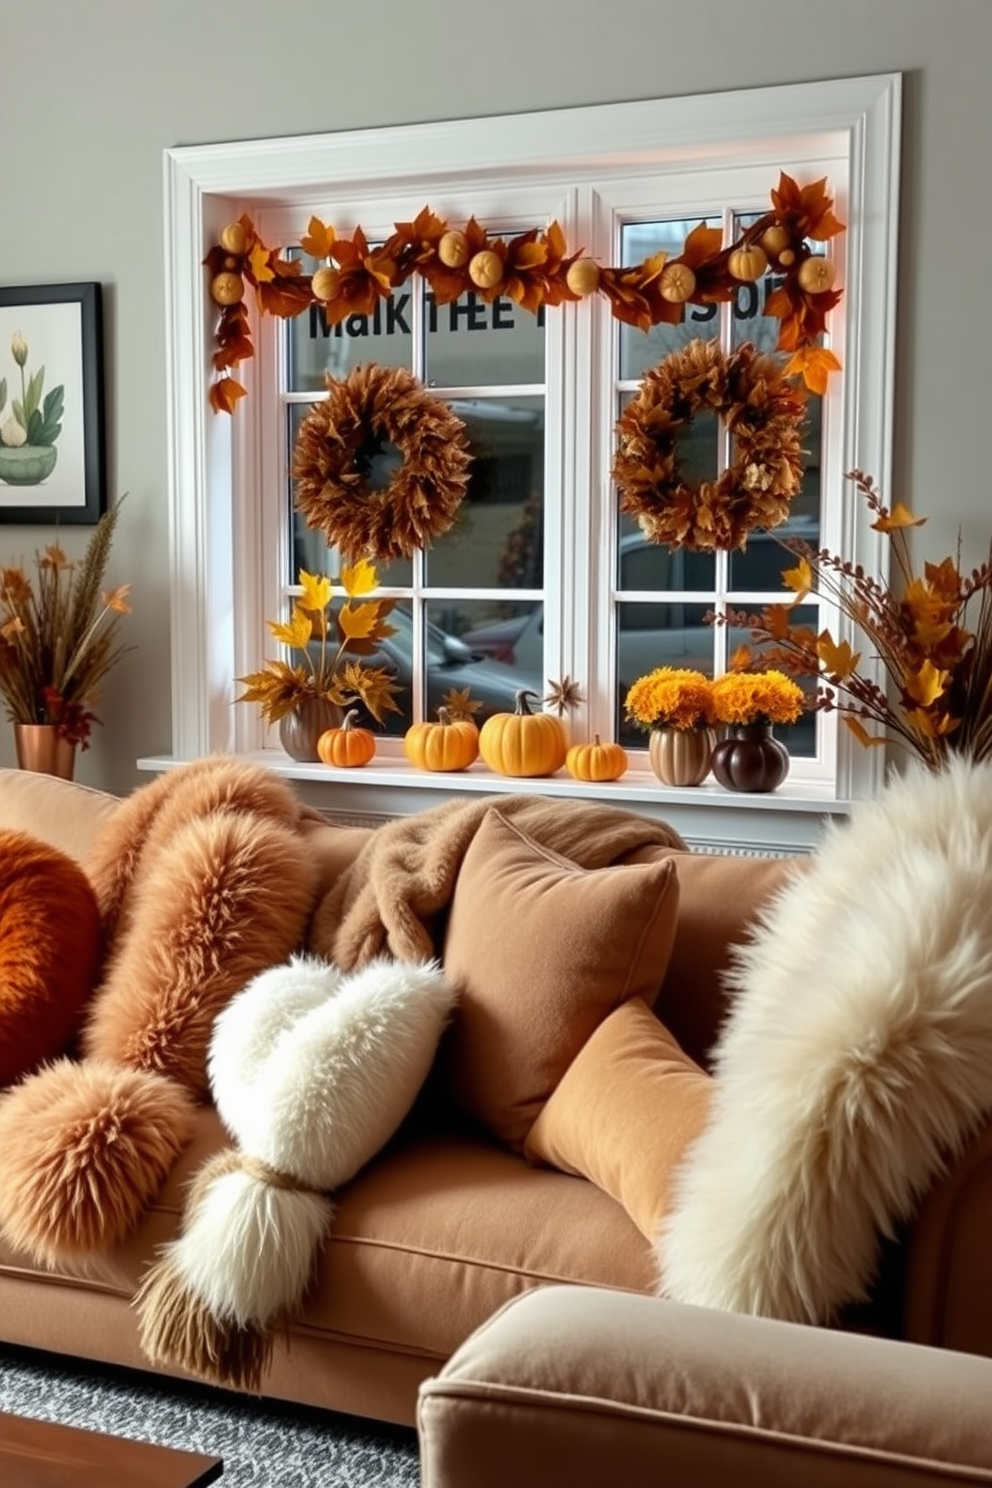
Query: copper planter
pixel 39 747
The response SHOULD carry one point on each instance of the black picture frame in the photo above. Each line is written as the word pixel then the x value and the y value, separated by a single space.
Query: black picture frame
pixel 51 365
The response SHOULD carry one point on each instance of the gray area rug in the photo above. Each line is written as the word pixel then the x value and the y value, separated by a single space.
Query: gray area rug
pixel 264 1444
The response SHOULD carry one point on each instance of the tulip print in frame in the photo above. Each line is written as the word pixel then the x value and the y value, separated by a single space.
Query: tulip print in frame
pixel 51 404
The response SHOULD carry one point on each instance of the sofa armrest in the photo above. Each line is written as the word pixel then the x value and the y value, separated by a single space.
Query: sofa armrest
pixel 948 1299
pixel 569 1385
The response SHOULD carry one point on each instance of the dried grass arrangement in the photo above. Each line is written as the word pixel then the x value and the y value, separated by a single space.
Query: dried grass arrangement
pixel 59 635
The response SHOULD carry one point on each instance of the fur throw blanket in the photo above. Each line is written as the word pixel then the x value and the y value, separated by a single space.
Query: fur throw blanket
pixel 855 1061
pixel 203 878
pixel 392 897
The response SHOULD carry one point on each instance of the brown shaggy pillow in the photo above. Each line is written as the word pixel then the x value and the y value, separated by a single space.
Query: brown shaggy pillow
pixel 83 1147
pixel 50 948
pixel 230 895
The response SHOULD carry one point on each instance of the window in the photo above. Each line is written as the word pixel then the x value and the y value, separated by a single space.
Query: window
pixel 540 577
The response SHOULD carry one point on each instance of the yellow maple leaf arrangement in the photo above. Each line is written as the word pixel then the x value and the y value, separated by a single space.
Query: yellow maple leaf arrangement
pixel 939 669
pixel 328 640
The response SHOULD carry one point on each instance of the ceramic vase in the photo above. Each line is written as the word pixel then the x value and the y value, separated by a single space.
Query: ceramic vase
pixel 300 729
pixel 750 758
pixel 40 748
pixel 681 756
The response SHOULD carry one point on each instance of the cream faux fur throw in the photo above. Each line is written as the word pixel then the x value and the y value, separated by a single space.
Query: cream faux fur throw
pixel 391 897
pixel 855 1061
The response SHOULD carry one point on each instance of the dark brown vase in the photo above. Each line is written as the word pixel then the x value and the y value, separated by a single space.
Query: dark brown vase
pixel 750 759
pixel 300 730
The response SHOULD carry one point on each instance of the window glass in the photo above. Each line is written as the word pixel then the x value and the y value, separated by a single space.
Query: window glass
pixel 656 635
pixel 472 344
pixel 800 738
pixel 640 350
pixel 497 539
pixel 316 350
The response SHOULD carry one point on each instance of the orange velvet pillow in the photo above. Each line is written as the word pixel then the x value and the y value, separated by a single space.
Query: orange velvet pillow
pixel 625 1113
pixel 541 951
pixel 50 949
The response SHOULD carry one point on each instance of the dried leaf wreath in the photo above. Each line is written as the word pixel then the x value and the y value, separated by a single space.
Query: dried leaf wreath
pixel 535 269
pixel 363 414
pixel 763 412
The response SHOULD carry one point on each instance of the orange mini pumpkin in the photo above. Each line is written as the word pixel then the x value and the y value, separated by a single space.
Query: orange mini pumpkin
pixel 346 747
pixel 596 761
pixel 523 743
pixel 449 744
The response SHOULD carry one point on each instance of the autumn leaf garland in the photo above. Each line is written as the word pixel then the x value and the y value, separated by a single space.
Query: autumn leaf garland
pixel 534 269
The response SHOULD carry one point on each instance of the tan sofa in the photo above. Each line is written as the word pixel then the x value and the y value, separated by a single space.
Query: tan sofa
pixel 447 1225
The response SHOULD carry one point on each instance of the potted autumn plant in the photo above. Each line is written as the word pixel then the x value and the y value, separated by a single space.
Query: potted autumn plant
pixel 308 697
pixel 750 704
pixel 674 705
pixel 58 640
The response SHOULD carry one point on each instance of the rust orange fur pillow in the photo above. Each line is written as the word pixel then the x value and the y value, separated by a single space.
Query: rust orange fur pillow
pixel 50 951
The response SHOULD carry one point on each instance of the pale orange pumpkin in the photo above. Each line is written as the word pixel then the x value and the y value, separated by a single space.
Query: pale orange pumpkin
pixel 347 747
pixel 596 761
pixel 748 264
pixel 449 744
pixel 523 743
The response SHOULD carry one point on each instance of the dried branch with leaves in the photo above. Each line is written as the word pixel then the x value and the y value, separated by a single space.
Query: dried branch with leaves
pixel 938 667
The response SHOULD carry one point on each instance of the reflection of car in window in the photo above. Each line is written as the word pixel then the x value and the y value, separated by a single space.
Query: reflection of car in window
pixel 451 663
pixel 656 633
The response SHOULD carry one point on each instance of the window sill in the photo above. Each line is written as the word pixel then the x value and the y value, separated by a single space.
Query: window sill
pixel 789 820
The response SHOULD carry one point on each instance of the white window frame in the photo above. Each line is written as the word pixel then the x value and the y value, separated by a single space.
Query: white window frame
pixel 217 536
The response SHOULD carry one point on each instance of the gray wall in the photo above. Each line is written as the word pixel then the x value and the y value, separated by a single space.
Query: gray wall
pixel 92 92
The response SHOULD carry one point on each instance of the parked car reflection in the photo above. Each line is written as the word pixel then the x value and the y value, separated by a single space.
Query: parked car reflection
pixel 451 664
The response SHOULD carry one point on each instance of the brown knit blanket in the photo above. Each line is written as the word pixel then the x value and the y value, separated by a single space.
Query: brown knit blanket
pixel 390 899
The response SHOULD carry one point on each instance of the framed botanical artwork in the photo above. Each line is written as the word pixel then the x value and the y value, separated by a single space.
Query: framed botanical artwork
pixel 52 453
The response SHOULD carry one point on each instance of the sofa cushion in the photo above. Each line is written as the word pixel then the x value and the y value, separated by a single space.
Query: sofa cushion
pixel 50 949
pixel 61 812
pixel 625 1112
pixel 541 951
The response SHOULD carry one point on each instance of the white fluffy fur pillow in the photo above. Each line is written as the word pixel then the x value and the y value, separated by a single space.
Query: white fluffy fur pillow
pixel 855 1060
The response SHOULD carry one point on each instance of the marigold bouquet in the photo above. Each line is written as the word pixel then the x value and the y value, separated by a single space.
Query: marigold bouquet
pixel 768 697
pixel 670 697
pixel 939 668
pixel 58 635
pixel 327 638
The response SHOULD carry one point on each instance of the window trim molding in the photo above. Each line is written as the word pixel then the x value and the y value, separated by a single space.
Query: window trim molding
pixel 206 186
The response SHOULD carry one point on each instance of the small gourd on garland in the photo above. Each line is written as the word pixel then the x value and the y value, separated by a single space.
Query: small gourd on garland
pixel 596 761
pixel 449 744
pixel 522 743
pixel 347 747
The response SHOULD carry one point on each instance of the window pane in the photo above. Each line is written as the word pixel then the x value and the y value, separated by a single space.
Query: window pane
pixel 477 644
pixel 498 537
pixel 642 349
pixel 799 738
pixel 647 565
pixel 315 348
pixel 655 635
pixel 472 344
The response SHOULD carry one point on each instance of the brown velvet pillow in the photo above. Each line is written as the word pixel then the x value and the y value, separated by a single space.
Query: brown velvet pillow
pixel 625 1113
pixel 541 951
pixel 50 949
